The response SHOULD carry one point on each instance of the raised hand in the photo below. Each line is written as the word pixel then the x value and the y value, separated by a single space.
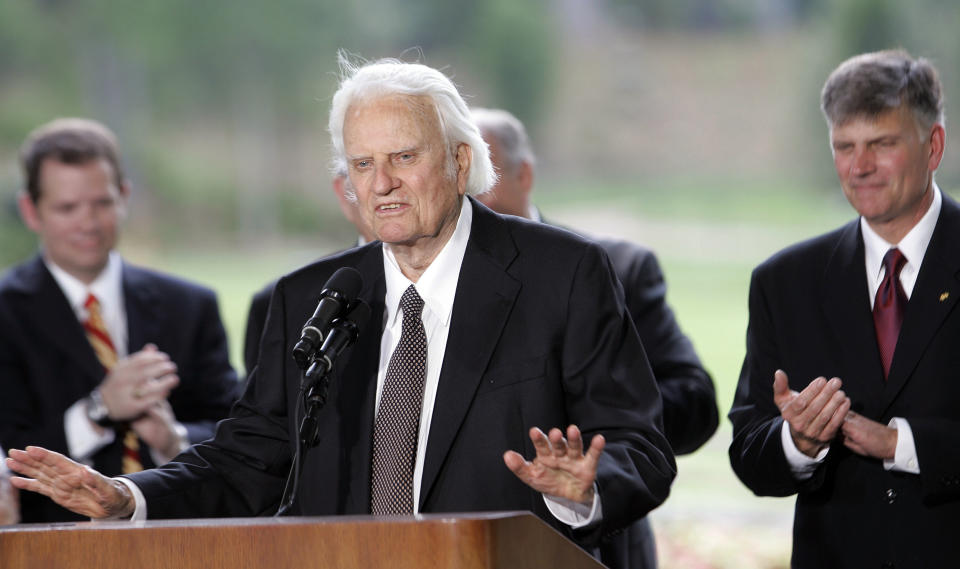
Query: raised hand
pixel 815 414
pixel 74 486
pixel 137 382
pixel 560 468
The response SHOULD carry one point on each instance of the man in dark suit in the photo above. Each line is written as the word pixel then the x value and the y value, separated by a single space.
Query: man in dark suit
pixel 872 306
pixel 690 414
pixel 522 327
pixel 169 378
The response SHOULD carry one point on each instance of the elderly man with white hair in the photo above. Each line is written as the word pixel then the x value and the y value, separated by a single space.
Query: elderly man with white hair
pixel 490 335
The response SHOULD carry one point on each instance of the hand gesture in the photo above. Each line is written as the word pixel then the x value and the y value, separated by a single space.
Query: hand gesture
pixel 869 438
pixel 137 382
pixel 158 428
pixel 74 486
pixel 560 469
pixel 815 414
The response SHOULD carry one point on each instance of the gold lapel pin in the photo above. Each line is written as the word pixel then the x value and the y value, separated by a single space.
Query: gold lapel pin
pixel 944 296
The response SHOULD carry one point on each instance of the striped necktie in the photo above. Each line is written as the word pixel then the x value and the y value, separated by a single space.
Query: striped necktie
pixel 103 346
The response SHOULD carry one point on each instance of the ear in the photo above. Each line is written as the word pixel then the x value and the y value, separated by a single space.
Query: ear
pixel 28 211
pixel 464 160
pixel 123 198
pixel 525 177
pixel 938 142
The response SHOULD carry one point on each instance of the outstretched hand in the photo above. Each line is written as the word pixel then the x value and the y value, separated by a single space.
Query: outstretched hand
pixel 74 486
pixel 561 468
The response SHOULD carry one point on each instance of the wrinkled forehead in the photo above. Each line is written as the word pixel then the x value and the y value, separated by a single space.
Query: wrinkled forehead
pixel 391 113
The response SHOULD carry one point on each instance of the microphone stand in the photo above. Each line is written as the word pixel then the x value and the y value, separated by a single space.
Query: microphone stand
pixel 314 385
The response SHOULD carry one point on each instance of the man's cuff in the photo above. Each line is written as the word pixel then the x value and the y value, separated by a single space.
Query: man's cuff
pixel 575 514
pixel 83 440
pixel 905 456
pixel 801 465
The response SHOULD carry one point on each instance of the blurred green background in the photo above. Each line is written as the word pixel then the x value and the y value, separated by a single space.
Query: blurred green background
pixel 689 125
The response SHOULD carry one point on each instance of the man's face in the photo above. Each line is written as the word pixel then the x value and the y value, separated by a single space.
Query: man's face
pixel 397 163
pixel 76 215
pixel 885 165
pixel 510 194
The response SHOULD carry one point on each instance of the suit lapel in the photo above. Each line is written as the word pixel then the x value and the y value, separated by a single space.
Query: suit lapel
pixel 358 386
pixel 846 306
pixel 48 311
pixel 144 313
pixel 934 296
pixel 484 288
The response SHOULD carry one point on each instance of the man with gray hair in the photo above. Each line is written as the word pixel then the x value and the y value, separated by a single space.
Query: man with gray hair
pixel 690 415
pixel 849 391
pixel 485 328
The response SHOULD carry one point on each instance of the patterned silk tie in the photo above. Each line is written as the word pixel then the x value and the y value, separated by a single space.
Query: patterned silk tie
pixel 107 354
pixel 888 307
pixel 398 420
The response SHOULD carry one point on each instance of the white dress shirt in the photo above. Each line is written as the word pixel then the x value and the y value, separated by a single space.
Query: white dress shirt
pixel 83 439
pixel 914 247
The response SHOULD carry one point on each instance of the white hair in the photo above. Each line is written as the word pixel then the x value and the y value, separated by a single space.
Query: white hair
pixel 386 77
pixel 509 132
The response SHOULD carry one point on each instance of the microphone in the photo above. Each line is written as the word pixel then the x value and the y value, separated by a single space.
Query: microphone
pixel 343 332
pixel 337 294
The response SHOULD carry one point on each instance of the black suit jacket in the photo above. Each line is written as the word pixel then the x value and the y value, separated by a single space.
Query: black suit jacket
pixel 47 364
pixel 810 315
pixel 539 337
pixel 690 415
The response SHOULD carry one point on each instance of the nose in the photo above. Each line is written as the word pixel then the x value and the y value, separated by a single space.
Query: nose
pixel 864 162
pixel 384 180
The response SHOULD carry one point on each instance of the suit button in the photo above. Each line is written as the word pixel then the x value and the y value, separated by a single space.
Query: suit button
pixel 888 565
pixel 891 496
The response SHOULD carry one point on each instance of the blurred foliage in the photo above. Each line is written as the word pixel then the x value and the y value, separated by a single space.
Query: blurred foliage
pixel 221 105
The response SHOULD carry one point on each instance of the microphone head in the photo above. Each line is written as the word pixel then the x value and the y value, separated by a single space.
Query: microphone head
pixel 347 281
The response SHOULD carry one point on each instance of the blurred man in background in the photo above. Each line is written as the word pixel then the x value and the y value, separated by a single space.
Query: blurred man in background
pixel 690 415
pixel 870 308
pixel 257 315
pixel 117 366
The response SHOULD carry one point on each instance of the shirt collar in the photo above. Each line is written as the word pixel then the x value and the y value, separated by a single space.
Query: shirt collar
pixel 435 287
pixel 106 287
pixel 913 245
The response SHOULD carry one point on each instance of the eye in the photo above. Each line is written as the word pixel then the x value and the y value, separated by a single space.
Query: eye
pixel 361 164
pixel 405 156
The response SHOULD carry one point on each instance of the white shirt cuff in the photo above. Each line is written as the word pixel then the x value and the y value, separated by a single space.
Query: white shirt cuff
pixel 905 456
pixel 801 465
pixel 140 502
pixel 83 440
pixel 575 514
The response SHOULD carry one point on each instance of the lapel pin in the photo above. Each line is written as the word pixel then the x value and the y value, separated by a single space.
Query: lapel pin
pixel 944 296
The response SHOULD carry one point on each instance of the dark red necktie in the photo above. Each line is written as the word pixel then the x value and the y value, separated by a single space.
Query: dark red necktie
pixel 888 308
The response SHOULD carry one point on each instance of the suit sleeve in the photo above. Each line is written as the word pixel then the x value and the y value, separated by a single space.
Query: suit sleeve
pixel 756 453
pixel 610 390
pixel 208 383
pixel 690 415
pixel 240 472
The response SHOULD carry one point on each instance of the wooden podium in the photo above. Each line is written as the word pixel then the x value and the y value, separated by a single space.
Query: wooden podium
pixel 468 541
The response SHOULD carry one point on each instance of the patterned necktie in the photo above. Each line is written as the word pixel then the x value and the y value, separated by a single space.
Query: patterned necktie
pixel 888 308
pixel 107 354
pixel 398 420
